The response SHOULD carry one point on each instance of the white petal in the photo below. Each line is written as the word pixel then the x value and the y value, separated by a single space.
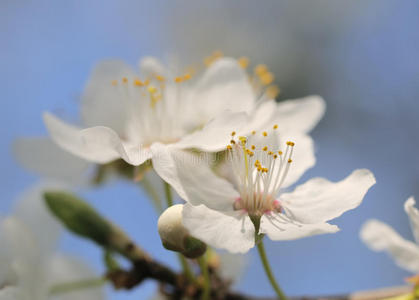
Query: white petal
pixel 216 135
pixel 381 237
pixel 44 157
pixel 320 200
pixel 101 103
pixel 232 266
pixel 151 66
pixel 65 269
pixel 192 177
pixel 413 213
pixel 299 115
pixel 224 85
pixel 279 227
pixel 232 231
pixel 32 211
pixel 97 144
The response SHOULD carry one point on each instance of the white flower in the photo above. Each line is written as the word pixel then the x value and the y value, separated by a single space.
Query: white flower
pixel 381 237
pixel 224 213
pixel 29 266
pixel 143 117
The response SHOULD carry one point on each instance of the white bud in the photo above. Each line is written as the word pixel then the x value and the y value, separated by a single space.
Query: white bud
pixel 175 236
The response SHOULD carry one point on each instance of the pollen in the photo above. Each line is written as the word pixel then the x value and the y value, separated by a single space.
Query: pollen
pixel 275 156
pixel 124 80
pixel 267 78
pixel 243 140
pixel 243 62
pixel 270 153
pixel 147 82
pixel 233 142
pixel 253 147
pixel 261 69
pixel 151 89
pixel 160 78
pixel 114 82
pixel 290 144
pixel 138 82
pixel 178 79
pixel 187 76
pixel 229 147
pixel 280 152
pixel 290 161
pixel 233 133
pixel 265 148
pixel 275 126
pixel 264 133
pixel 253 132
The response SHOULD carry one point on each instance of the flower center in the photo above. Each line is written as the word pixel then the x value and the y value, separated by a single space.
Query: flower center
pixel 260 171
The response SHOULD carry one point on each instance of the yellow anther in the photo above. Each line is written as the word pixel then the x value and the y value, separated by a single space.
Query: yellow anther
pixel 259 169
pixel 178 79
pixel 243 139
pixel 264 133
pixel 267 78
pixel 138 82
pixel 275 156
pixel 147 82
pixel 229 147
pixel 233 142
pixel 270 153
pixel 114 82
pixel 124 80
pixel 233 133
pixel 243 62
pixel 290 161
pixel 217 54
pixel 290 144
pixel 275 126
pixel 265 170
pixel 253 147
pixel 187 76
pixel 151 89
pixel 280 152
pixel 253 132
pixel 261 69
pixel 257 162
pixel 272 91
pixel 265 148
pixel 160 78
pixel 251 154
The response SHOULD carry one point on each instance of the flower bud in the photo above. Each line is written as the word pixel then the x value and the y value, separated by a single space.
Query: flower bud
pixel 175 236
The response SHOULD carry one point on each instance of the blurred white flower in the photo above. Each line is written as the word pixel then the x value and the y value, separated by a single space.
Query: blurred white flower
pixel 381 237
pixel 139 120
pixel 224 213
pixel 29 266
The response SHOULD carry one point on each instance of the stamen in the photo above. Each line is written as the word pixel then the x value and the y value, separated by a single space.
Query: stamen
pixel 275 126
pixel 233 133
pixel 124 80
pixel 265 133
pixel 138 82
pixel 253 132
pixel 114 82
pixel 243 62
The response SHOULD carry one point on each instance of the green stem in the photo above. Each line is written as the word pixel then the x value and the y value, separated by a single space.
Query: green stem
pixel 204 270
pixel 76 285
pixel 184 263
pixel 268 271
pixel 168 192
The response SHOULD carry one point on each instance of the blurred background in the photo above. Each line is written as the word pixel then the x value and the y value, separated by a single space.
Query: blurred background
pixel 361 56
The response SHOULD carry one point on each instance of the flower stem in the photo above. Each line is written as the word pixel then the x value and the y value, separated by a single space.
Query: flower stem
pixel 184 263
pixel 268 271
pixel 76 285
pixel 204 270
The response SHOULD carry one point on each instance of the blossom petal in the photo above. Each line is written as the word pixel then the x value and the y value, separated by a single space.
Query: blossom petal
pixel 216 135
pixel 32 211
pixel 381 237
pixel 413 213
pixel 64 269
pixel 232 231
pixel 279 227
pixel 187 172
pixel 101 103
pixel 44 157
pixel 224 85
pixel 299 115
pixel 151 66
pixel 97 144
pixel 320 200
